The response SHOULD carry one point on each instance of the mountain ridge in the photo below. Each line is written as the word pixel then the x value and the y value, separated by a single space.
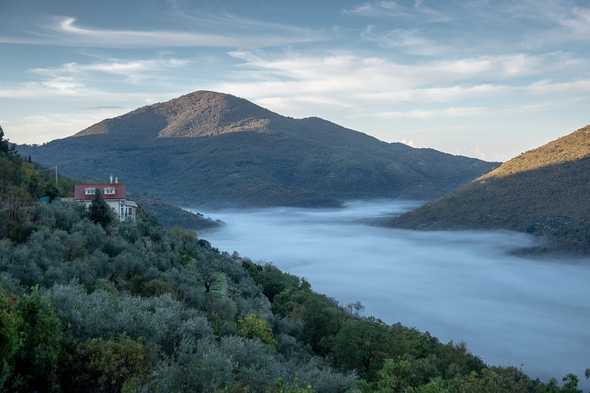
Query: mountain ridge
pixel 541 191
pixel 213 149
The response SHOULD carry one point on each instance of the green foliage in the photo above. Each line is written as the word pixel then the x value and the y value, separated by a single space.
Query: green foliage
pixel 21 183
pixel 363 345
pixel 251 326
pixel 165 289
pixel 282 387
pixel 99 212
pixel 113 365
pixel 170 216
pixel 9 336
pixel 136 308
pixel 51 191
pixel 35 366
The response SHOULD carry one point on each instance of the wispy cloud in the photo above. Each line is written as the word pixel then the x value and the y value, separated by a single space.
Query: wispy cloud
pixel 226 21
pixel 391 8
pixel 409 41
pixel 538 23
pixel 85 80
pixel 578 22
pixel 67 31
pixel 436 113
pixel 294 83
pixel 133 71
pixel 572 87
pixel 48 126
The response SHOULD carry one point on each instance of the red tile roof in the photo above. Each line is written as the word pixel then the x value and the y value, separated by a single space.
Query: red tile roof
pixel 80 193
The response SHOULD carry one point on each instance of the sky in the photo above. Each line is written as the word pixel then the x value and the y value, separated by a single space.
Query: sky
pixel 483 78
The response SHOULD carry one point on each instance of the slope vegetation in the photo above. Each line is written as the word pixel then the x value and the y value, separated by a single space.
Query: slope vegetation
pixel 101 306
pixel 543 191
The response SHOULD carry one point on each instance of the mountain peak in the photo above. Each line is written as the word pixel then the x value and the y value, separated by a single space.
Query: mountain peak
pixel 200 113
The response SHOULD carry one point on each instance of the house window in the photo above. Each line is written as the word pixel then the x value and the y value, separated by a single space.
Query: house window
pixel 90 191
pixel 110 191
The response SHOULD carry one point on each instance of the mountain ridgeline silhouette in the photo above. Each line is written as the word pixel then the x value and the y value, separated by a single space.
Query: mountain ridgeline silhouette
pixel 214 149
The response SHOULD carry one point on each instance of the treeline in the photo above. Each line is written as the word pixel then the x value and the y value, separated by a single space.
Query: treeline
pixel 22 183
pixel 88 304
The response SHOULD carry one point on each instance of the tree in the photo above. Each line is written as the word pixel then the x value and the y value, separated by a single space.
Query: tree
pixel 9 337
pixel 251 326
pixel 362 346
pixel 6 148
pixel 570 384
pixel 100 212
pixel 106 365
pixel 4 145
pixel 51 191
pixel 41 334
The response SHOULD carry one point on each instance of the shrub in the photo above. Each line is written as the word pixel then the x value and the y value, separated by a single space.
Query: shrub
pixel 251 326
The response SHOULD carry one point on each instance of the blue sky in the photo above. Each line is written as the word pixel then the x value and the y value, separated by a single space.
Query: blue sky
pixel 482 78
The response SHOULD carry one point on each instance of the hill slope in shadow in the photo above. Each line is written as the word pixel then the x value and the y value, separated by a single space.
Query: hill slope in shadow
pixel 543 192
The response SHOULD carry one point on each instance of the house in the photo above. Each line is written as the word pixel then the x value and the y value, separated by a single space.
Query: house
pixel 113 193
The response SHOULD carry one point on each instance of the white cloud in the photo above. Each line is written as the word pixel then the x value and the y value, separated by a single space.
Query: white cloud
pixel 348 87
pixel 572 87
pixel 438 94
pixel 391 8
pixel 66 31
pixel 49 126
pixel 131 70
pixel 578 22
pixel 84 80
pixel 434 113
pixel 348 77
pixel 49 88
pixel 410 41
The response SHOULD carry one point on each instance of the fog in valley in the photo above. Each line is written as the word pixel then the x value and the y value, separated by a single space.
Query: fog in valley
pixel 460 286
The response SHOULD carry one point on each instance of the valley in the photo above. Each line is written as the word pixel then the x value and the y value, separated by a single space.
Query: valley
pixel 461 286
pixel 353 196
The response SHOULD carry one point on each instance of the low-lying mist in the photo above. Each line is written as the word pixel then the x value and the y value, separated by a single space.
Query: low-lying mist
pixel 460 286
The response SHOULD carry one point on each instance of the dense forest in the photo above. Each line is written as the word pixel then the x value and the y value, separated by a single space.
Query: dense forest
pixel 89 304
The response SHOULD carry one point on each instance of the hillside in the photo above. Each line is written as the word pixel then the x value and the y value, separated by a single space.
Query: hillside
pixel 543 191
pixel 170 216
pixel 94 306
pixel 213 149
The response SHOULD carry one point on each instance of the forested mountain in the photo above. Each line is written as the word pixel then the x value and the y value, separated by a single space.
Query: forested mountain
pixel 88 304
pixel 215 149
pixel 543 191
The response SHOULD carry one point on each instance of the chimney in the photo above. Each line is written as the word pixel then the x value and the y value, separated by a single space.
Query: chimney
pixel 116 180
pixel 111 181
